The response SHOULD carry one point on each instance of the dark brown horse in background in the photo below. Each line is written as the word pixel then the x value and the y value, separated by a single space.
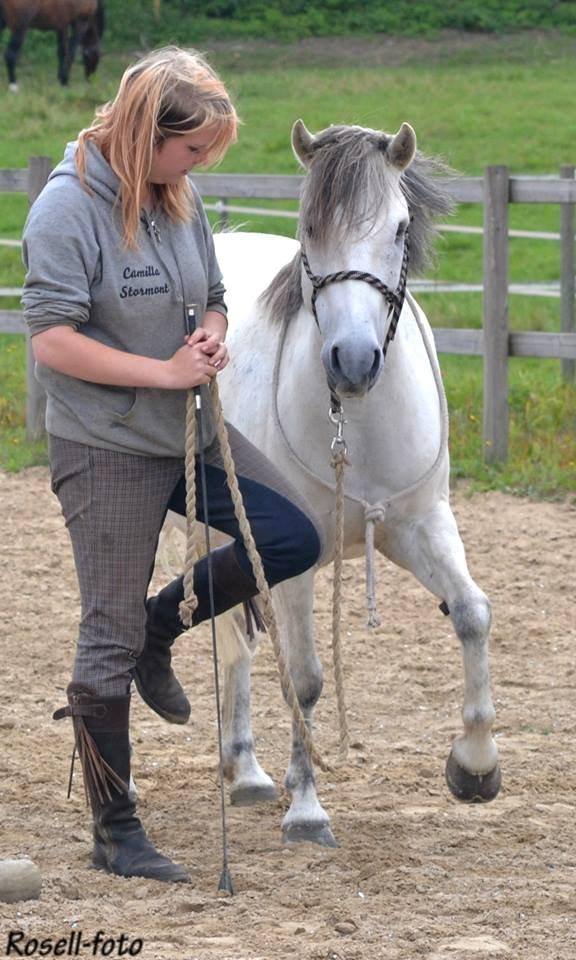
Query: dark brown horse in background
pixel 76 23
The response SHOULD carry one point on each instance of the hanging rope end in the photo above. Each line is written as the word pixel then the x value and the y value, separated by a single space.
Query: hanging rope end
pixel 323 764
pixel 373 516
pixel 186 610
pixel 343 748
pixel 373 618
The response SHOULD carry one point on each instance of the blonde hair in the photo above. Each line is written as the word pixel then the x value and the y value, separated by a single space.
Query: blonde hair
pixel 168 92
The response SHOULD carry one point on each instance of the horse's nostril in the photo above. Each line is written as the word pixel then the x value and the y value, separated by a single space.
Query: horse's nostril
pixel 376 364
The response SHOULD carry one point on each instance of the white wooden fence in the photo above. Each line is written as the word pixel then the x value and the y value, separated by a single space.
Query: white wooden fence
pixel 29 181
pixel 495 342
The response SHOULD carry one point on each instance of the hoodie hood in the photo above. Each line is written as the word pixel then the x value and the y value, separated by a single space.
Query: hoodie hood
pixel 100 177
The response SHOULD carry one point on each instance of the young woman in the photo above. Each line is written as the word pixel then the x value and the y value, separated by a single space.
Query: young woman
pixel 116 246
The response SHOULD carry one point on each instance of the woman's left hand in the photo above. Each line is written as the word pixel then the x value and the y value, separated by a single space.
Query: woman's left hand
pixel 220 357
pixel 214 348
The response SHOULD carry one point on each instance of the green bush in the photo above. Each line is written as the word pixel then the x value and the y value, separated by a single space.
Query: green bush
pixel 132 22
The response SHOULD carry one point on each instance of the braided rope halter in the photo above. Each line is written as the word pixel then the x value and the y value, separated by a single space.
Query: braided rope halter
pixel 395 298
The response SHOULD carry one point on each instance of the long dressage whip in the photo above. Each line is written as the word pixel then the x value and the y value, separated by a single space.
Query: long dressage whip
pixel 194 407
pixel 190 602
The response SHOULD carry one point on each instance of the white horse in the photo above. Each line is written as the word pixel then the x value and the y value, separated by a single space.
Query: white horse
pixel 310 319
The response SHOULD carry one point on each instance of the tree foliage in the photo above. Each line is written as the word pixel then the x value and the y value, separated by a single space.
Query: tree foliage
pixel 133 21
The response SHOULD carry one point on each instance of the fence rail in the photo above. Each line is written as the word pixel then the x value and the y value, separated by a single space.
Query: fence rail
pixel 495 342
pixel 29 181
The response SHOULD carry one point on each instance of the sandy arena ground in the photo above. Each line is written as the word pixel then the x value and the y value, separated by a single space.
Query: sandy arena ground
pixel 416 875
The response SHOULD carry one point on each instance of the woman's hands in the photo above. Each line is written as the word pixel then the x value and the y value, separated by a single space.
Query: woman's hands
pixel 198 361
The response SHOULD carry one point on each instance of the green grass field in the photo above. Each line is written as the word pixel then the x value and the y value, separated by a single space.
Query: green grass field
pixel 505 102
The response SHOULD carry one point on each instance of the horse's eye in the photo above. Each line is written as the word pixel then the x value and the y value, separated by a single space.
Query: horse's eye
pixel 309 231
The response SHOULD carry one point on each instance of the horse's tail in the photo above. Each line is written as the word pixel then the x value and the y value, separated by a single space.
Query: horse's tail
pixel 100 18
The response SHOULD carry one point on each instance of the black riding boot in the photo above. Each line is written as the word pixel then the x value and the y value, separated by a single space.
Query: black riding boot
pixel 121 846
pixel 155 680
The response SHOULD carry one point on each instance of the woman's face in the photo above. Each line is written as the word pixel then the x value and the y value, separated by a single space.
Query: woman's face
pixel 173 158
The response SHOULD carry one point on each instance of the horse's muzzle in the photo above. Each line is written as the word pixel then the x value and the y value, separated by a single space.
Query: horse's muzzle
pixel 351 373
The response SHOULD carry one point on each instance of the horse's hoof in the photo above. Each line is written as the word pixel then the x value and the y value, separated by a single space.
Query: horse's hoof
pixel 310 833
pixel 13 87
pixel 247 796
pixel 472 787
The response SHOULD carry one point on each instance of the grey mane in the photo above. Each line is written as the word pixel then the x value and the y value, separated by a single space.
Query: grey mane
pixel 350 166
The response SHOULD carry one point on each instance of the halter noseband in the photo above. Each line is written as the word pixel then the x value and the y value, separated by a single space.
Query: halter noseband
pixel 395 298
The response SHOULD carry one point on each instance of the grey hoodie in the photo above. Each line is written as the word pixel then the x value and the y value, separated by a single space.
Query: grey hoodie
pixel 80 274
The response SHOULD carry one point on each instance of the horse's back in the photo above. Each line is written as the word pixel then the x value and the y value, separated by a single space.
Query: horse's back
pixel 18 13
pixel 249 261
pixel 45 14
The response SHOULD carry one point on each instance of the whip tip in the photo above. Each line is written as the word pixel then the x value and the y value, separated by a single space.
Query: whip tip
pixel 225 885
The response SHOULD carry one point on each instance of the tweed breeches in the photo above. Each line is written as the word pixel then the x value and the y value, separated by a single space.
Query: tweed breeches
pixel 114 505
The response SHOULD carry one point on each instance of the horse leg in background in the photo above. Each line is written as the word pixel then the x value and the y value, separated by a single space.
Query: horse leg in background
pixel 11 55
pixel 63 49
pixel 248 782
pixel 429 545
pixel 306 819
pixel 73 40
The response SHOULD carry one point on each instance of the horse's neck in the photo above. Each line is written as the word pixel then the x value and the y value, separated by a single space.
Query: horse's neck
pixel 393 434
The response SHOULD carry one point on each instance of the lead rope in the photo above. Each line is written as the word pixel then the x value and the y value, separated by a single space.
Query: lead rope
pixel 339 463
pixel 373 513
pixel 190 601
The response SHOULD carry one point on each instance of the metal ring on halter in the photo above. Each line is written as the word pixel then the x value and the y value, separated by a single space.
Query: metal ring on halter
pixel 336 416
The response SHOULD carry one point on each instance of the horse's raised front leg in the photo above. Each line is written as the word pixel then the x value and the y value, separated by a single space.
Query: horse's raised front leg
pixel 248 781
pixel 11 56
pixel 430 546
pixel 306 819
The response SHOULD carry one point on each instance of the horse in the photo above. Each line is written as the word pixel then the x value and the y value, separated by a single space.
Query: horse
pixel 326 320
pixel 76 22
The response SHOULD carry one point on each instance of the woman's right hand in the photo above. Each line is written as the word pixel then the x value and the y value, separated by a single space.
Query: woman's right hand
pixel 190 366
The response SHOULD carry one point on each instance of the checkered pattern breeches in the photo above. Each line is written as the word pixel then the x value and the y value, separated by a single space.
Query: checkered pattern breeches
pixel 114 505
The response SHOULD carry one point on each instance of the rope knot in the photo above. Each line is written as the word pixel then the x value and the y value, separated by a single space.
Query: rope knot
pixel 375 514
pixel 339 458
pixel 187 608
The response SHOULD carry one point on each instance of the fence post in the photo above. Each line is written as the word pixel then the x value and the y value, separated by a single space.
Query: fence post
pixel 223 222
pixel 38 171
pixel 495 313
pixel 567 272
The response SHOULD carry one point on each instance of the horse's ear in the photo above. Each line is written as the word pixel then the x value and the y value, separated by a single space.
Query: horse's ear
pixel 402 147
pixel 302 143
